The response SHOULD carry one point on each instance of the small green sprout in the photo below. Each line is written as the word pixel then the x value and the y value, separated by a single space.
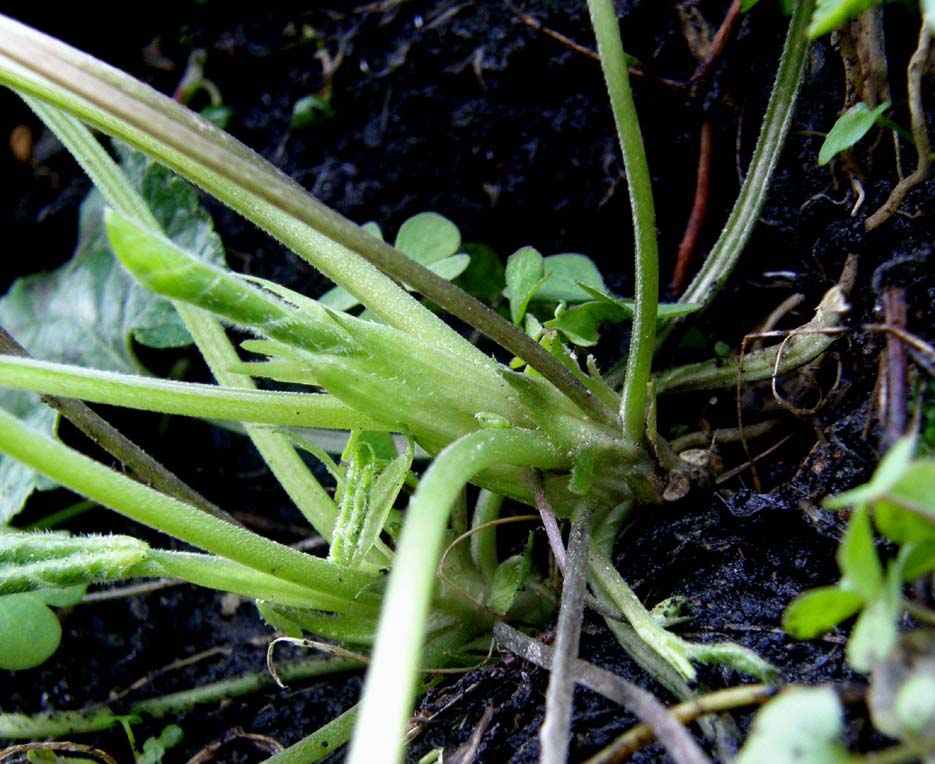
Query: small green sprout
pixel 900 499
pixel 850 127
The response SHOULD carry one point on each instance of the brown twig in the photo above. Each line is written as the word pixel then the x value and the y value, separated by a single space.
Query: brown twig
pixel 895 392
pixel 918 65
pixel 721 38
pixel 554 733
pixel 699 206
pixel 531 21
pixel 262 742
pixel 547 514
pixel 722 700
pixel 77 748
pixel 670 732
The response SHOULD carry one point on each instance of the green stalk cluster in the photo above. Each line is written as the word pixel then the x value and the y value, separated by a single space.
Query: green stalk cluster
pixel 410 374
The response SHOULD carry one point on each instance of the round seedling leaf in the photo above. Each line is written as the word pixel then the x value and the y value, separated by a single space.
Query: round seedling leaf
pixel 29 632
pixel 428 237
pixel 801 725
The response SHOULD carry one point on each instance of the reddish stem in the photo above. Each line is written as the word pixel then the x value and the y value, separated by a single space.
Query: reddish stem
pixel 699 207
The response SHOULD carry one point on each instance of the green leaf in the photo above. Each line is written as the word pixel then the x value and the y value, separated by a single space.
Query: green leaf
pixel 665 310
pixel 818 611
pixel 876 629
pixel 29 632
pixel 857 557
pixel 449 268
pixel 907 511
pixel 154 748
pixel 385 490
pixel 888 473
pixel 850 127
pixel 832 14
pixel 525 274
pixel 428 237
pixel 309 111
pixel 579 324
pixel 801 725
pixel 87 311
pixel 509 579
pixel 17 481
pixel 569 274
pixel 919 559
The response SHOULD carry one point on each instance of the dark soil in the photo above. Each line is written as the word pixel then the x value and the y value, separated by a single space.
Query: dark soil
pixel 465 109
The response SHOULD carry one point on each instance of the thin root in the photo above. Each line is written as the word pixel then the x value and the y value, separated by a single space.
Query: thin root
pixel 917 67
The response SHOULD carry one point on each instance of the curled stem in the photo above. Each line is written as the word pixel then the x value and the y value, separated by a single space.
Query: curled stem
pixel 390 687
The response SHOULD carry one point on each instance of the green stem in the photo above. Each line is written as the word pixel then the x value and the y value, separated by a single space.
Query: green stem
pixel 294 671
pixel 145 505
pixel 643 338
pixel 16 726
pixel 185 398
pixel 226 576
pixel 609 582
pixel 323 741
pixel 798 348
pixel 484 541
pixel 391 682
pixel 121 106
pixel 304 490
pixel 746 212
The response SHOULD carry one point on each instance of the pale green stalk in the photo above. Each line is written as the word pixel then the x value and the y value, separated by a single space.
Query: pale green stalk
pixel 615 589
pixel 277 451
pixel 54 724
pixel 484 541
pixel 639 183
pixel 390 687
pixel 145 505
pixel 184 398
pixel 325 740
pixel 227 576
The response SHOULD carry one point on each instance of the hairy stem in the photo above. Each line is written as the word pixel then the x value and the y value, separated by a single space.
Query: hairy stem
pixel 121 106
pixel 146 505
pixel 304 490
pixel 745 213
pixel 643 338
pixel 185 398
pixel 18 726
pixel 103 433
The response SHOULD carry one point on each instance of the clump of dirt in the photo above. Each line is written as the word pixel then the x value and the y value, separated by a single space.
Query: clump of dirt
pixel 480 112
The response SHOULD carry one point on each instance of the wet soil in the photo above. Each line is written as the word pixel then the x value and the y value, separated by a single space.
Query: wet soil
pixel 476 111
